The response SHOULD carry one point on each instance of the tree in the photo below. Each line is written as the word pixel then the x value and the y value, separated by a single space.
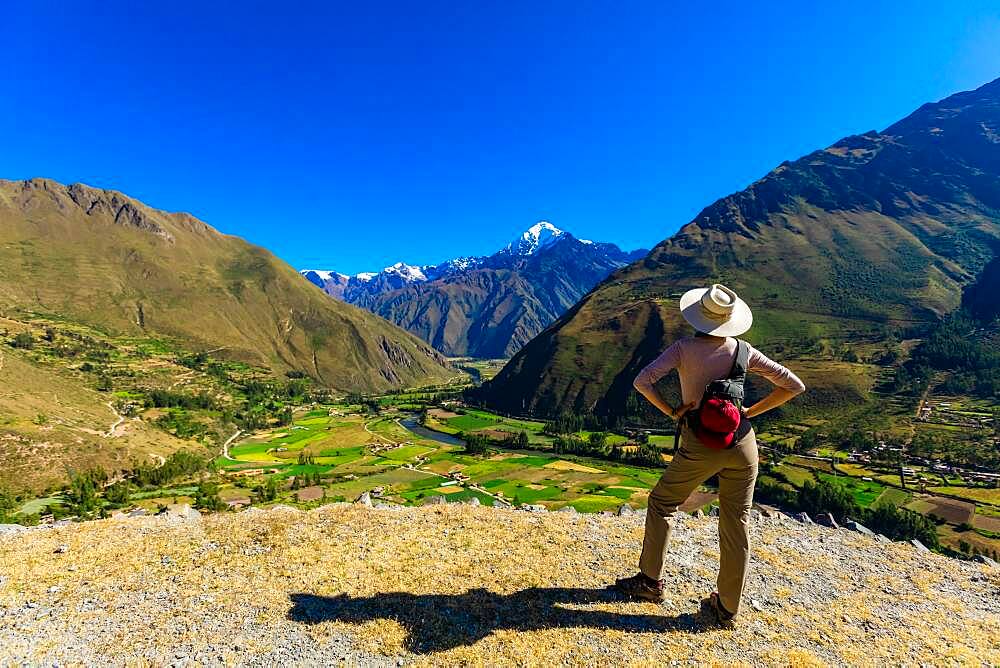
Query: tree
pixel 475 444
pixel 81 497
pixel 7 506
pixel 268 491
pixel 207 497
pixel 118 494
pixel 597 439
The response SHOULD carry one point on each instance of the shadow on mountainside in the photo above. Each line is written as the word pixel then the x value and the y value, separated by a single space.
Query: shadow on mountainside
pixel 439 622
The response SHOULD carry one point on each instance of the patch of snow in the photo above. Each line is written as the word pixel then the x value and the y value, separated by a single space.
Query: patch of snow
pixel 406 271
pixel 458 264
pixel 365 276
pixel 541 234
pixel 324 275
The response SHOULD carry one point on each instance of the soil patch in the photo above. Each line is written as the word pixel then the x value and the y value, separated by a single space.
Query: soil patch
pixel 314 493
pixel 950 510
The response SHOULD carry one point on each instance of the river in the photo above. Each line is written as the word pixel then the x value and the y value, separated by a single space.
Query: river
pixel 412 423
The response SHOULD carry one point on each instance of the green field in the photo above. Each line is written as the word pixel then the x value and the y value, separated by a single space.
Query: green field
pixel 352 453
pixel 795 474
pixel 408 452
pixel 36 506
pixel 471 422
pixel 864 492
pixel 894 497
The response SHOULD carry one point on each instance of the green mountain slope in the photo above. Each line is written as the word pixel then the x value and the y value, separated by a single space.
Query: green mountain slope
pixel 101 258
pixel 876 231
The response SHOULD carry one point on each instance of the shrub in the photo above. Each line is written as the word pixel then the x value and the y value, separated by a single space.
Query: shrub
pixel 23 340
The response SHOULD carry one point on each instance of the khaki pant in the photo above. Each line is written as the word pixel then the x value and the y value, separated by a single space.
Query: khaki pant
pixel 693 465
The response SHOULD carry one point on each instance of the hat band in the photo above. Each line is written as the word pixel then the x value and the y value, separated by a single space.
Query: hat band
pixel 712 315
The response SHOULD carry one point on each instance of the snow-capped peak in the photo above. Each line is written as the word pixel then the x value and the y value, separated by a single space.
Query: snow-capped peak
pixel 406 271
pixel 365 276
pixel 541 234
pixel 459 264
pixel 324 275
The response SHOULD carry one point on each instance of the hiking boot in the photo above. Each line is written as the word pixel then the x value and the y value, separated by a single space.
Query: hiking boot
pixel 722 616
pixel 641 587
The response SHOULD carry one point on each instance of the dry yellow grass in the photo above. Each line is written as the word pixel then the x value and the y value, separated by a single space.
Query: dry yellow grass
pixel 563 465
pixel 456 585
pixel 51 422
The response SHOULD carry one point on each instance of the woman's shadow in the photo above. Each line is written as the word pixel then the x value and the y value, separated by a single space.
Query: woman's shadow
pixel 438 622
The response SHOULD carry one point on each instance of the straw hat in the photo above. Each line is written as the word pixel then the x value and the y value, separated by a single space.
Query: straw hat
pixel 716 311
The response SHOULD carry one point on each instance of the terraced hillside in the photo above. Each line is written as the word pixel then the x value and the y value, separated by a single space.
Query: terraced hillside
pixel 845 245
pixel 103 259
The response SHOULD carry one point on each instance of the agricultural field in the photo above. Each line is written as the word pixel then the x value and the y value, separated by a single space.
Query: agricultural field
pixel 990 495
pixel 480 370
pixel 864 492
pixel 474 420
pixel 343 454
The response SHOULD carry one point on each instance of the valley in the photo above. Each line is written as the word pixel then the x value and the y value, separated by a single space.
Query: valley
pixel 365 334
pixel 170 427
pixel 182 367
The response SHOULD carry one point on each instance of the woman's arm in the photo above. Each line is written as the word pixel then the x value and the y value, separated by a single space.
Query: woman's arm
pixel 645 382
pixel 786 384
pixel 655 398
pixel 778 396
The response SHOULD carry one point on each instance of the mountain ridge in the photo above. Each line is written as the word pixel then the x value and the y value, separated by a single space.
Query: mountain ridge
pixel 142 270
pixel 485 306
pixel 874 231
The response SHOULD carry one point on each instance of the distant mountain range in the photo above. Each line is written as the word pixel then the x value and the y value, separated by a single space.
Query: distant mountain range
pixel 878 232
pixel 483 306
pixel 135 270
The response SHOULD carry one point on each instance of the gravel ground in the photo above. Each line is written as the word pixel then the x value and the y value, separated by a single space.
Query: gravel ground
pixel 456 584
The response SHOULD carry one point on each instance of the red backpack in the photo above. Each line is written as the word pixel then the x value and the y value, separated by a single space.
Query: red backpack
pixel 718 418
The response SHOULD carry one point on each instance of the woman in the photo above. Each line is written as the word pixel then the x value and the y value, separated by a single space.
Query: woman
pixel 718 315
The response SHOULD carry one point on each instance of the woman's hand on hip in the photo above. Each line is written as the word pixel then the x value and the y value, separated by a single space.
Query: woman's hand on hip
pixel 679 412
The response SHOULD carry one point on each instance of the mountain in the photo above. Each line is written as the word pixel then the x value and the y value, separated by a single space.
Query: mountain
pixel 483 306
pixel 878 231
pixel 101 258
pixel 364 289
pixel 472 586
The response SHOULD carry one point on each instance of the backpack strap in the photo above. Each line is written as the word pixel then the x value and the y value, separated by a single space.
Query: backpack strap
pixel 677 431
pixel 741 362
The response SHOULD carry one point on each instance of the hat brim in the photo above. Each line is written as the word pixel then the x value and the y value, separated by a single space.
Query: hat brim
pixel 738 322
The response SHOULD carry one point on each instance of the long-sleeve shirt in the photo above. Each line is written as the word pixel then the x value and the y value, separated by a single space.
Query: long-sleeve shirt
pixel 699 360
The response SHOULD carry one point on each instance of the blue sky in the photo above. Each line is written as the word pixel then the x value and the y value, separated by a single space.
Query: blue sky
pixel 353 135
